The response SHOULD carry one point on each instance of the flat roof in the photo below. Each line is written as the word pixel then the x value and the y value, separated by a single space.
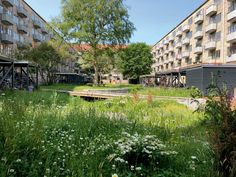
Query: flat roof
pixel 182 22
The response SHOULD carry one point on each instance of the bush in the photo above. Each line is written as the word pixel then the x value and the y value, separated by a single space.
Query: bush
pixel 223 119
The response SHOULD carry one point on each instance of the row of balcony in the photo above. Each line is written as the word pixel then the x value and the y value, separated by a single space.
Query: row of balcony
pixel 8 20
pixel 8 39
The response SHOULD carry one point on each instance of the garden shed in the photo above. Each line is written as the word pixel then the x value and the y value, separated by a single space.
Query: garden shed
pixel 203 76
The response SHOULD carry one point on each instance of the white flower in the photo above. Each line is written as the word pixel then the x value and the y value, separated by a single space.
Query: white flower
pixel 11 170
pixel 18 160
pixel 113 167
pixel 193 157
pixel 138 168
pixel 114 175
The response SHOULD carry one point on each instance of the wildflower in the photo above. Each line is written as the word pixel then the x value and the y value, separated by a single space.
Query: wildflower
pixel 138 168
pixel 193 157
pixel 113 167
pixel 18 160
pixel 11 170
pixel 114 175
pixel 40 163
pixel 132 167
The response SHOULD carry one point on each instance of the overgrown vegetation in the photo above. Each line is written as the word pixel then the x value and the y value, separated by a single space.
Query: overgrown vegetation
pixel 49 134
pixel 222 115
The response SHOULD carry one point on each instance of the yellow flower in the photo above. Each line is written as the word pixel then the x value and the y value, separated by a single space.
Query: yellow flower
pixel 114 175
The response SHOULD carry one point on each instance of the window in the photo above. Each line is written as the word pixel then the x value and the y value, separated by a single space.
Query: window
pixel 214 54
pixel 190 21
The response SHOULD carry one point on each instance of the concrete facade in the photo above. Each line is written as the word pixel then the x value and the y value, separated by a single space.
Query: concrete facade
pixel 207 36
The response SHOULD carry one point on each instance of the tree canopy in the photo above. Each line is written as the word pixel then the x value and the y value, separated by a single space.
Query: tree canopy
pixel 96 23
pixel 136 60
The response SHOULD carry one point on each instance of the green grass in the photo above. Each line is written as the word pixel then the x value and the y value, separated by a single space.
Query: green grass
pixel 174 92
pixel 72 87
pixel 45 133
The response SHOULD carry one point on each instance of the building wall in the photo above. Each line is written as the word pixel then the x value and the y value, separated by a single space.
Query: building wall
pixel 20 25
pixel 207 36
pixel 194 78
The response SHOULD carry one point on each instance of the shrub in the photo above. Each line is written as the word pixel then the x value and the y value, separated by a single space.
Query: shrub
pixel 223 118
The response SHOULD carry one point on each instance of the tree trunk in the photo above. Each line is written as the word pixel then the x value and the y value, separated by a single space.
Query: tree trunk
pixel 96 75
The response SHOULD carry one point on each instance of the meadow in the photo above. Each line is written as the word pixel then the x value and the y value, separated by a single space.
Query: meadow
pixel 155 91
pixel 51 134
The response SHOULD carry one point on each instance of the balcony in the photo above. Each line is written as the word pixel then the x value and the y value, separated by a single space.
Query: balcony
pixel 178 45
pixel 198 34
pixel 198 19
pixel 186 54
pixel 36 24
pixel 231 16
pixel 231 37
pixel 211 28
pixel 186 41
pixel 166 42
pixel 186 28
pixel 22 45
pixel 211 10
pixel 210 45
pixel 8 3
pixel 44 30
pixel 171 38
pixel 179 57
pixel 7 19
pixel 161 46
pixel 179 33
pixel 166 52
pixel 171 49
pixel 198 50
pixel 22 12
pixel 22 29
pixel 231 58
pixel 37 38
pixel 7 39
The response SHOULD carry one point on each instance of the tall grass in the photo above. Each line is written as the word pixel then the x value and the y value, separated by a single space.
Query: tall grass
pixel 50 134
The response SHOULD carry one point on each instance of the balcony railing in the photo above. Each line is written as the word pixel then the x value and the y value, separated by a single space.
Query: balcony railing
pixel 198 19
pixel 231 17
pixel 212 27
pixel 211 44
pixel 8 3
pixel 7 19
pixel 211 10
pixel 22 28
pixel 22 12
pixel 37 38
pixel 231 37
pixel 36 24
pixel 231 54
pixel 7 38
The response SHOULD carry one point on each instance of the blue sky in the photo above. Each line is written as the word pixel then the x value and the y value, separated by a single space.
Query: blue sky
pixel 152 18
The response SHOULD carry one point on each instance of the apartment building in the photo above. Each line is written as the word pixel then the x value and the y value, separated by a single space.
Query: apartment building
pixel 206 38
pixel 20 26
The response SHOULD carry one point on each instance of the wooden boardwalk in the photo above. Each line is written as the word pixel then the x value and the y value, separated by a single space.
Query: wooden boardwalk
pixel 96 94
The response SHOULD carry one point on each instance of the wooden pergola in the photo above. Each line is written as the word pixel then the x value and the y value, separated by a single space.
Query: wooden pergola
pixel 17 74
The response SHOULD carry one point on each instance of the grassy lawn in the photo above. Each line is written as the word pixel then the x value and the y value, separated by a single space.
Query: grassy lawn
pixel 178 92
pixel 50 134
pixel 85 87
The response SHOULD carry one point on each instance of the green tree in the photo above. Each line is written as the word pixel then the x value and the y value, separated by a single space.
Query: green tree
pixel 96 23
pixel 48 58
pixel 136 60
